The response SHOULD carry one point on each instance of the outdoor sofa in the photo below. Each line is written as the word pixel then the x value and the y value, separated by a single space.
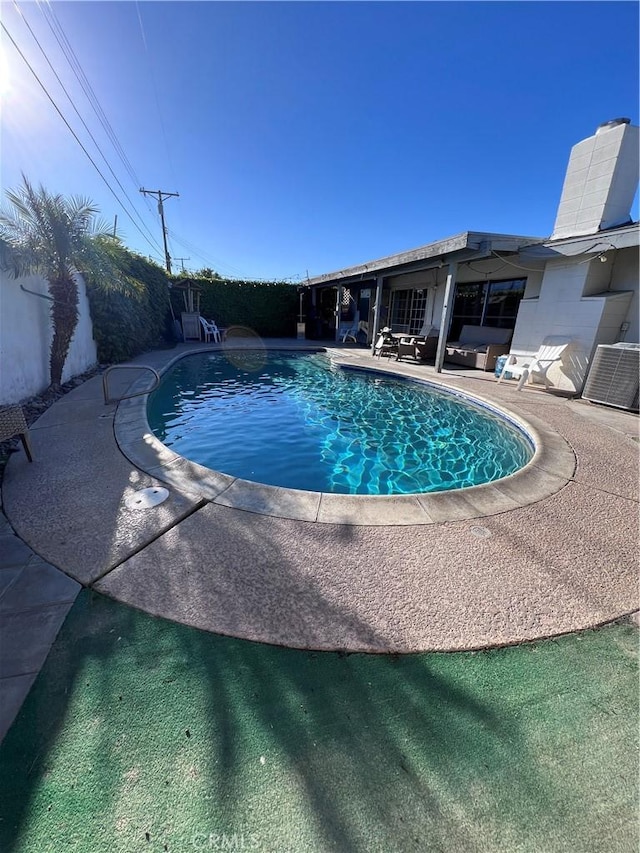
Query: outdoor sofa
pixel 479 346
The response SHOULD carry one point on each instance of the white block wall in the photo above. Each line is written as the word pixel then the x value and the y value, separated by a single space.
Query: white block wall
pixel 563 309
pixel 600 182
pixel 25 339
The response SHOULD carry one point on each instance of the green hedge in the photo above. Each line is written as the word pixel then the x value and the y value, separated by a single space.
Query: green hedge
pixel 126 324
pixel 268 308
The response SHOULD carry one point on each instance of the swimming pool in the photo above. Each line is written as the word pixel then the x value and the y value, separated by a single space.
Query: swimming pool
pixel 298 421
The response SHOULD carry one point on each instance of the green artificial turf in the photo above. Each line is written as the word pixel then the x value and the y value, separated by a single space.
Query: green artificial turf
pixel 141 734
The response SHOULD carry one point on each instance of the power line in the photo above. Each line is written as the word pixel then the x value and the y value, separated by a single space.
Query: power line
pixel 76 67
pixel 202 255
pixel 73 133
pixel 220 266
pixel 155 91
pixel 84 124
pixel 162 195
pixel 85 85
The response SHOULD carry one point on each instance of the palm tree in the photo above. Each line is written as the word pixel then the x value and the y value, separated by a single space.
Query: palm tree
pixel 57 237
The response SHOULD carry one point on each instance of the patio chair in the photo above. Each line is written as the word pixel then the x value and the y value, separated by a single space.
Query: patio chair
pixel 210 330
pixel 550 352
pixel 352 333
pixel 418 347
pixel 386 343
pixel 12 423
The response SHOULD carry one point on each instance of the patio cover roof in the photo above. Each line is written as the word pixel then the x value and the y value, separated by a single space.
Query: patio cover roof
pixel 462 247
pixel 622 237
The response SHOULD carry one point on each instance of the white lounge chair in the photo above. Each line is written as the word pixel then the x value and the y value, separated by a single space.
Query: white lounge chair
pixel 350 334
pixel 550 352
pixel 353 331
pixel 210 330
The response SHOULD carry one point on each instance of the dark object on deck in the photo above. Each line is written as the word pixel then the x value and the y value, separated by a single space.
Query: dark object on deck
pixel 386 343
pixel 417 348
pixel 12 423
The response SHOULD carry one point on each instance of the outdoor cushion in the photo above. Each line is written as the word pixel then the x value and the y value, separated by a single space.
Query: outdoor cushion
pixel 471 335
pixel 468 347
pixel 479 346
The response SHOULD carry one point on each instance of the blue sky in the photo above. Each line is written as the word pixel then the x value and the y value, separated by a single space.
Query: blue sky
pixel 305 137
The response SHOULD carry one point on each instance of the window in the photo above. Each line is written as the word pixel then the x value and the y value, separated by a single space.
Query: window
pixel 486 303
pixel 502 303
pixel 407 310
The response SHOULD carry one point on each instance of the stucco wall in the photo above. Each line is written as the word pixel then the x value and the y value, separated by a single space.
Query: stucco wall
pixel 562 308
pixel 25 339
pixel 625 275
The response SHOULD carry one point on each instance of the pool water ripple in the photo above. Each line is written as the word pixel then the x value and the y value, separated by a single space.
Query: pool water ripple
pixel 298 421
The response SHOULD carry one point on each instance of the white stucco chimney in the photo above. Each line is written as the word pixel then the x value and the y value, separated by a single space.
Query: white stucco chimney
pixel 601 181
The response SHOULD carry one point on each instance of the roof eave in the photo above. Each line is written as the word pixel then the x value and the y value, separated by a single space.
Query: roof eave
pixel 463 246
pixel 622 237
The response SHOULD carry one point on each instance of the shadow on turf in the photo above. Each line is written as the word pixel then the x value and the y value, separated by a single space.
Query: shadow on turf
pixel 383 752
pixel 135 722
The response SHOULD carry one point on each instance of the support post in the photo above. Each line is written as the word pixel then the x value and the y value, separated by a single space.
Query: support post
pixel 377 305
pixel 338 311
pixel 446 314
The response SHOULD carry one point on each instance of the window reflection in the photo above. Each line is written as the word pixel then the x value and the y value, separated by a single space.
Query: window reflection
pixel 486 303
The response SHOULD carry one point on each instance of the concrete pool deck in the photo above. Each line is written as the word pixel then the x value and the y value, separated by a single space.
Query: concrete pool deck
pixel 516 564
pixel 549 470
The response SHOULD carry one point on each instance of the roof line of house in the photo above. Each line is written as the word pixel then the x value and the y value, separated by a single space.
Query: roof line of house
pixel 619 237
pixel 474 245
pixel 468 243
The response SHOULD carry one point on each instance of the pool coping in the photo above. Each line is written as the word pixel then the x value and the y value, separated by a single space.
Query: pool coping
pixel 564 563
pixel 551 468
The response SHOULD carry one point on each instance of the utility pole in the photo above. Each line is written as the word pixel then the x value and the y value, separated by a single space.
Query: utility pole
pixel 182 260
pixel 161 197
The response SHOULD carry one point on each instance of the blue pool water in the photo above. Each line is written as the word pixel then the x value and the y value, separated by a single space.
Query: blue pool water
pixel 295 420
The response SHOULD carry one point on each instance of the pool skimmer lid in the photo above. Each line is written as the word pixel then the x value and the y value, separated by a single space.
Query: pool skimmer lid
pixel 480 532
pixel 147 498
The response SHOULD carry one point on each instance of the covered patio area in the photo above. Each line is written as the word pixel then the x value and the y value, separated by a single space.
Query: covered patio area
pixel 473 278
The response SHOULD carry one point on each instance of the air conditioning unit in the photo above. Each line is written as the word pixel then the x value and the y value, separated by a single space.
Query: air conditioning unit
pixel 614 376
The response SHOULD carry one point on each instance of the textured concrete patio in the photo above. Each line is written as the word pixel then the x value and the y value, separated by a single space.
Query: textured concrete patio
pixel 551 550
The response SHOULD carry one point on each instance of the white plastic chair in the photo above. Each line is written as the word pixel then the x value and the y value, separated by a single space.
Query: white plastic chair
pixel 350 331
pixel 350 334
pixel 550 351
pixel 210 330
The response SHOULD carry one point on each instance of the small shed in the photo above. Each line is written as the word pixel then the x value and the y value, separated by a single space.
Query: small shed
pixel 191 315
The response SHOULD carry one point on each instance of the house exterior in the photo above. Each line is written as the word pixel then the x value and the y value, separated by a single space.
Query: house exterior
pixel 580 282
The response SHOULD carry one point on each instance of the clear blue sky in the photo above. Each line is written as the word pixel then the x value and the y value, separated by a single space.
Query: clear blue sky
pixel 306 137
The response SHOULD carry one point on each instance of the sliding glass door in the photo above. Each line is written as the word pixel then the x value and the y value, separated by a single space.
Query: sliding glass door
pixel 407 310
